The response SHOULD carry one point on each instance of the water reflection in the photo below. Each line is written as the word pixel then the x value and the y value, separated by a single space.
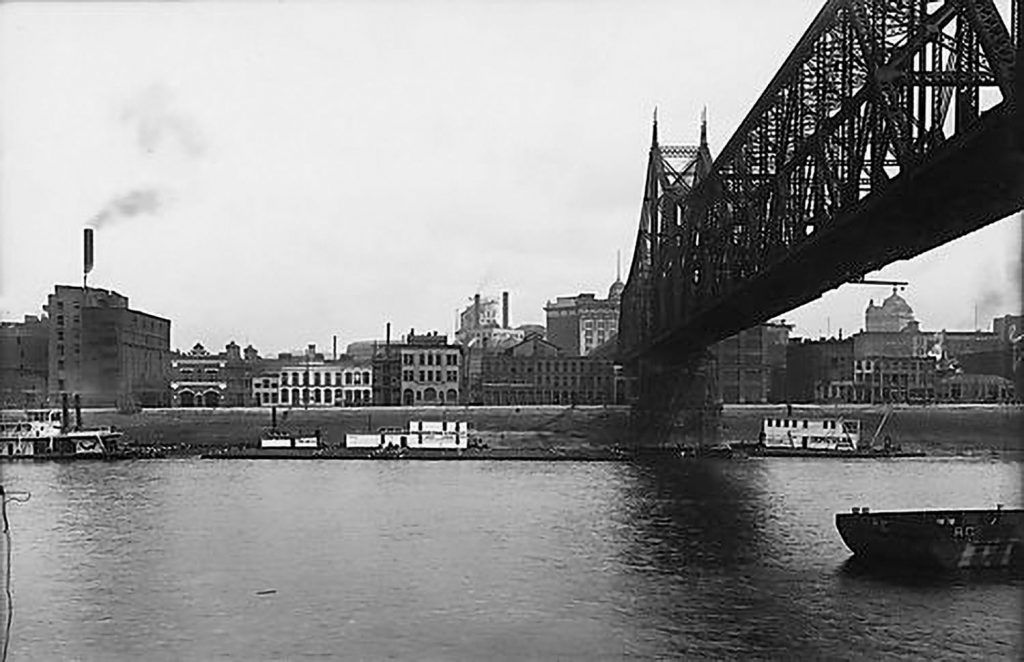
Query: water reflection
pixel 505 560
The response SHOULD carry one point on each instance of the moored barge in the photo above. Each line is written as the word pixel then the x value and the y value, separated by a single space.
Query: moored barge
pixel 935 539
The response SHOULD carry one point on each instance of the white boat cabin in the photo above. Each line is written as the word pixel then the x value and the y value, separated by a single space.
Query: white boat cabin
pixel 280 439
pixel 421 434
pixel 831 434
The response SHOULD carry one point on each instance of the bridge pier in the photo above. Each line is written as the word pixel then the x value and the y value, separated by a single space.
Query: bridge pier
pixel 677 404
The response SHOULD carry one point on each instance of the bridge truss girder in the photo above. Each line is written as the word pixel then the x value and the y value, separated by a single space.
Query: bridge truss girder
pixel 889 130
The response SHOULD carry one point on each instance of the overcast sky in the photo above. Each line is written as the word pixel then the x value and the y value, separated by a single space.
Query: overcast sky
pixel 276 173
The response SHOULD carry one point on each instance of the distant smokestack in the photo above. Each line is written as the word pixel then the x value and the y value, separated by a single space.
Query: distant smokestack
pixel 334 354
pixel 504 310
pixel 78 412
pixel 87 261
pixel 387 336
pixel 476 311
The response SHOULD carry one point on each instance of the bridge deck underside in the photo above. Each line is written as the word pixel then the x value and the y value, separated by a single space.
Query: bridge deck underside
pixel 977 180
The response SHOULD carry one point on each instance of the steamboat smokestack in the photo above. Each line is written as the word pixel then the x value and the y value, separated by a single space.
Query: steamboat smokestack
pixel 87 257
pixel 65 419
pixel 504 310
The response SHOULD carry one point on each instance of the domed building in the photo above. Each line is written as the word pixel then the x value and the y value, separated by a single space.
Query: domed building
pixel 893 315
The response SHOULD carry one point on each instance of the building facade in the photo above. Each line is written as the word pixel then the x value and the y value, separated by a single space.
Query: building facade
pixel 107 353
pixel 537 372
pixel 24 362
pixel 578 325
pixel 751 365
pixel 431 370
pixel 202 379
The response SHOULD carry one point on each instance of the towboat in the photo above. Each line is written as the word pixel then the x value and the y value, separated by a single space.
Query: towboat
pixel 47 434
pixel 790 436
pixel 935 539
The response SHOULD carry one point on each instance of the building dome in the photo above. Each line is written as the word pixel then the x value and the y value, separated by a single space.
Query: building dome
pixel 894 304
pixel 893 315
pixel 615 291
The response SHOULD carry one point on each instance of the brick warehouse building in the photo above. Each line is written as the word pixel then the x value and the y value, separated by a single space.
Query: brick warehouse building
pixel 537 372
pixel 106 352
pixel 24 364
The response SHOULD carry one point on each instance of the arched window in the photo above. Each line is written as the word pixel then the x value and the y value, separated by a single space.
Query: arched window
pixel 327 395
pixel 453 396
pixel 284 396
pixel 366 378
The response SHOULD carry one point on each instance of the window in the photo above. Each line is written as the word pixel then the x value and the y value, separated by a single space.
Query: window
pixel 316 379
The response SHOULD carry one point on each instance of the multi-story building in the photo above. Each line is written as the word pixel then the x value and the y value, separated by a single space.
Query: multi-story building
pixel 24 362
pixel 751 365
pixel 430 370
pixel 104 351
pixel 819 370
pixel 894 379
pixel 578 325
pixel 197 378
pixel 537 372
pixel 315 382
pixel 202 379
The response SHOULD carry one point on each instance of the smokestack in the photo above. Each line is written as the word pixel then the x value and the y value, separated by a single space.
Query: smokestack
pixel 504 310
pixel 334 354
pixel 65 420
pixel 78 412
pixel 387 336
pixel 476 311
pixel 87 256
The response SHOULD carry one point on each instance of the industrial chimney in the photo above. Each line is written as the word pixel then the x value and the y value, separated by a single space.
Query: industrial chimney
pixel 476 311
pixel 504 310
pixel 87 257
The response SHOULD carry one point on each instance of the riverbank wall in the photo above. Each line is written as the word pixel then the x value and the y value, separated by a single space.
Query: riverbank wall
pixel 942 429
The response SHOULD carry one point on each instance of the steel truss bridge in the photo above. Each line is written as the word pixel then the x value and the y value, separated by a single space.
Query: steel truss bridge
pixel 892 128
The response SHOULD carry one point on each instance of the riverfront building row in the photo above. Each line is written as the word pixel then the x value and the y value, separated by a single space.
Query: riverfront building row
pixel 92 344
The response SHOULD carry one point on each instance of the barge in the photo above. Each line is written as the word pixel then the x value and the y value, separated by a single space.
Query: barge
pixel 935 539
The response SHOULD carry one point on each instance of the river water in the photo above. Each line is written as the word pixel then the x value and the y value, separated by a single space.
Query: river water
pixel 251 560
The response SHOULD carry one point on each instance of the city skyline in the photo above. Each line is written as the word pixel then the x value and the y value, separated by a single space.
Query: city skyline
pixel 252 179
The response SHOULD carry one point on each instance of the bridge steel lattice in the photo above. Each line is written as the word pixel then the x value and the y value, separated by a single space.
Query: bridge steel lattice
pixel 892 128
